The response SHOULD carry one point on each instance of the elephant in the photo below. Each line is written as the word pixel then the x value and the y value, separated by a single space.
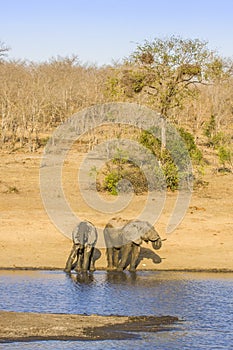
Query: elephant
pixel 84 238
pixel 123 239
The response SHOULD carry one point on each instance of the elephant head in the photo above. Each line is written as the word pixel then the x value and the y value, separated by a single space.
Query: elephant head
pixel 152 236
pixel 139 231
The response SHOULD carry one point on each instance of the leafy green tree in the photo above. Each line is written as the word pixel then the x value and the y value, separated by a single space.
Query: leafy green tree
pixel 179 155
pixel 168 71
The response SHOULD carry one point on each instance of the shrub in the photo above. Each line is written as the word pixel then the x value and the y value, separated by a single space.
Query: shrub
pixel 194 151
pixel 110 182
pixel 209 129
pixel 167 160
pixel 174 170
pixel 225 155
pixel 215 139
pixel 12 189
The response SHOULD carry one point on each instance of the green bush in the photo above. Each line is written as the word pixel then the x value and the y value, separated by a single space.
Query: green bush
pixel 110 182
pixel 148 140
pixel 225 155
pixel 178 154
pixel 218 139
pixel 171 175
pixel 214 139
pixel 129 172
pixel 174 169
pixel 194 151
pixel 210 128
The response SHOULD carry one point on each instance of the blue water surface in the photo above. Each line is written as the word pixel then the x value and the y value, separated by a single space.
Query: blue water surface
pixel 202 301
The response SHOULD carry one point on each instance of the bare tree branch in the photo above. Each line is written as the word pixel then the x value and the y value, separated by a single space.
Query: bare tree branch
pixel 3 50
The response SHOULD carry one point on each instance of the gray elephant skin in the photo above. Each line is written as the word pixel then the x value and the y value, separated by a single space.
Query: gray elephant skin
pixel 84 238
pixel 123 242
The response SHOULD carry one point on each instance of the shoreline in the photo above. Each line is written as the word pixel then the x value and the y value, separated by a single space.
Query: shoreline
pixel 44 268
pixel 214 270
pixel 27 327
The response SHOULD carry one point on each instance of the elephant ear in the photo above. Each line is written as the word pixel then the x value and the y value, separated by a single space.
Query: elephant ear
pixel 138 241
pixel 157 244
pixel 130 233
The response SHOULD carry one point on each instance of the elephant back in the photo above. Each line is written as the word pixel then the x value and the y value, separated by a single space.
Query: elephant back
pixel 133 231
pixel 85 233
pixel 113 232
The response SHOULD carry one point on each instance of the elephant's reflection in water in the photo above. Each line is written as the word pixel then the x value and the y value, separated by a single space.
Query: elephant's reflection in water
pixel 82 278
pixel 112 277
pixel 120 277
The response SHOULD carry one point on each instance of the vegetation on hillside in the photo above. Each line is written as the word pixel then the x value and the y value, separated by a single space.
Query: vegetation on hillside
pixel 182 79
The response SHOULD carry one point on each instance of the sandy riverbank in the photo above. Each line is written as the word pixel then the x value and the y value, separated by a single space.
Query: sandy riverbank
pixel 19 326
pixel 28 239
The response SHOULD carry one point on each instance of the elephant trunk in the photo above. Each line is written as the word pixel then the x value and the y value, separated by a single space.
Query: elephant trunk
pixel 157 244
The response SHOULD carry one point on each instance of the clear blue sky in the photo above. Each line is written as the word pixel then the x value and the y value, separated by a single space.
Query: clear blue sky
pixel 100 31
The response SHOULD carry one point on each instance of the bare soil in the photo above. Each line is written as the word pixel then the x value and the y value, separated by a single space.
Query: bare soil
pixel 203 240
pixel 31 326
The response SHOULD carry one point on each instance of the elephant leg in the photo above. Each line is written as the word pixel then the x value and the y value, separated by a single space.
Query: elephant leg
pixel 79 263
pixel 134 256
pixel 109 253
pixel 87 252
pixel 71 258
pixel 116 252
pixel 92 261
pixel 125 252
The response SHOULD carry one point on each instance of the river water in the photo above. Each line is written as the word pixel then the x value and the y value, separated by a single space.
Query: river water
pixel 202 301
